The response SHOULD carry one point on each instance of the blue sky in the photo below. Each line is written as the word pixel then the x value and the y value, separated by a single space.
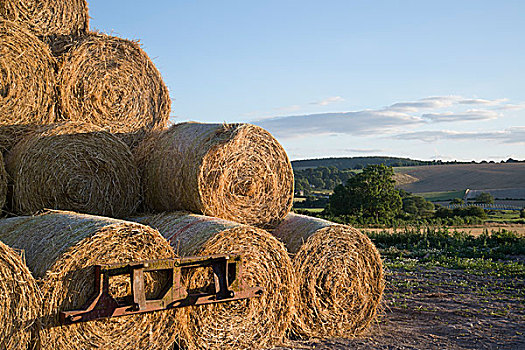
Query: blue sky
pixel 420 79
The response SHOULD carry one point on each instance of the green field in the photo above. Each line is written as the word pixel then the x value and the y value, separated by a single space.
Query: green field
pixel 441 196
pixel 312 210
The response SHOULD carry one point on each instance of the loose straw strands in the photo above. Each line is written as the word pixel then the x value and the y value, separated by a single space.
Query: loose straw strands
pixel 20 301
pixel 111 82
pixel 246 324
pixel 48 17
pixel 27 77
pixel 61 249
pixel 237 172
pixel 339 273
pixel 74 166
pixel 3 183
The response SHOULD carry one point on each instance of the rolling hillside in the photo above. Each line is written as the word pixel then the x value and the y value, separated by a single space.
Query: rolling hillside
pixel 355 162
pixel 456 177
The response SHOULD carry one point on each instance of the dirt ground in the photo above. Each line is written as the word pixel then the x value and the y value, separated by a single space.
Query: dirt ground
pixel 440 308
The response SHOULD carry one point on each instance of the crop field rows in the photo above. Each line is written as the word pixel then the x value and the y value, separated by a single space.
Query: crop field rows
pixel 447 290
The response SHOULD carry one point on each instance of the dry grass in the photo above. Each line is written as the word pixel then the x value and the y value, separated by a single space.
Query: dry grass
pixel 74 166
pixel 112 83
pixel 61 248
pixel 246 324
pixel 20 301
pixel 3 183
pixel 339 273
pixel 48 17
pixel 27 79
pixel 237 172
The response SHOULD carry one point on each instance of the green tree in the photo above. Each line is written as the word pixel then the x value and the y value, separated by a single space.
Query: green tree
pixel 370 193
pixel 457 201
pixel 485 198
pixel 417 206
pixel 522 213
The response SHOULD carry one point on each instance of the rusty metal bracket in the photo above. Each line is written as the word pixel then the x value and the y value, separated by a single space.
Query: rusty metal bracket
pixel 227 280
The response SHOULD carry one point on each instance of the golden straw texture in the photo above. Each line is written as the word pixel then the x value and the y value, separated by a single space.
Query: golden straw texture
pixel 111 82
pixel 27 78
pixel 74 166
pixel 246 324
pixel 20 301
pixel 339 274
pixel 48 17
pixel 61 249
pixel 237 172
pixel 3 183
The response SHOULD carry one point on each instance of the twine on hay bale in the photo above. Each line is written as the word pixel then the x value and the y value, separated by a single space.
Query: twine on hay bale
pixel 339 275
pixel 19 301
pixel 111 82
pixel 27 78
pixel 238 172
pixel 61 249
pixel 74 166
pixel 48 17
pixel 246 324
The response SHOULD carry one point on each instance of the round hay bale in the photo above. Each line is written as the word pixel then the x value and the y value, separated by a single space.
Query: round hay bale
pixel 245 324
pixel 3 183
pixel 61 249
pixel 339 275
pixel 27 77
pixel 74 166
pixel 48 17
pixel 111 82
pixel 19 301
pixel 237 172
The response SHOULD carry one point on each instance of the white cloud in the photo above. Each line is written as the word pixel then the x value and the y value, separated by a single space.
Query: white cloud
pixel 438 102
pixel 354 123
pixel 517 107
pixel 478 114
pixel 514 135
pixel 328 101
pixel 392 119
pixel 364 150
pixel 481 101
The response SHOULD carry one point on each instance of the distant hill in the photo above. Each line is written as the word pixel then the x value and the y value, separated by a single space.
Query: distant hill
pixel 454 177
pixel 357 162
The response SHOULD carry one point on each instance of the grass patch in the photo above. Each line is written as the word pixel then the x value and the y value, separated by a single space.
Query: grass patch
pixel 441 196
pixel 311 210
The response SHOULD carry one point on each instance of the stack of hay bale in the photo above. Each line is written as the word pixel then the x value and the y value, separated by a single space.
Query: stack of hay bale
pixel 83 129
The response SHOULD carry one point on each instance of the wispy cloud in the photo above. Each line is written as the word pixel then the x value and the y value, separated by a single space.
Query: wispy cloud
pixel 481 101
pixel 328 101
pixel 355 123
pixel 364 150
pixel 510 106
pixel 388 120
pixel 438 102
pixel 478 114
pixel 515 135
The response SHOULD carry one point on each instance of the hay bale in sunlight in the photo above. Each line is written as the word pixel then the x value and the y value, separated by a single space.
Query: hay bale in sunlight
pixel 48 17
pixel 61 249
pixel 74 166
pixel 3 182
pixel 237 172
pixel 246 324
pixel 339 273
pixel 27 77
pixel 111 82
pixel 19 301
